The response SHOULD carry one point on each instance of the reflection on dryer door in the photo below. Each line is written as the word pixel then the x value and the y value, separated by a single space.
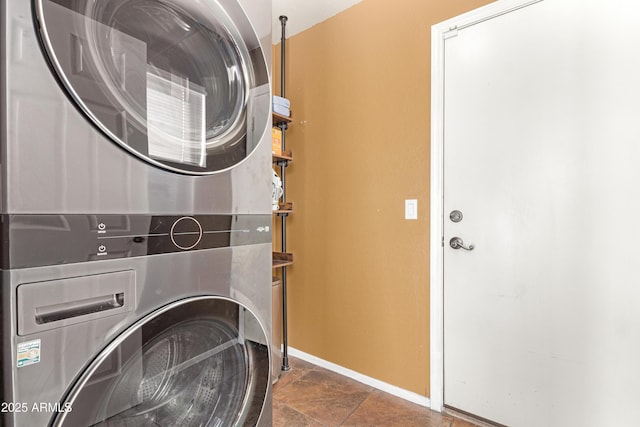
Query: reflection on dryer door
pixel 171 82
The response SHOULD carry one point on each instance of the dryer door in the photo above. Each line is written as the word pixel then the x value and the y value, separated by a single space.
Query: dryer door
pixel 197 362
pixel 182 84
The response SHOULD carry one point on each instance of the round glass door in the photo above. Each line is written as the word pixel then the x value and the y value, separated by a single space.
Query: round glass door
pixel 198 362
pixel 171 81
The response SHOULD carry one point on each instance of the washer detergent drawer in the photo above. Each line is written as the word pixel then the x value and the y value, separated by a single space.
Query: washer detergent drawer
pixel 57 303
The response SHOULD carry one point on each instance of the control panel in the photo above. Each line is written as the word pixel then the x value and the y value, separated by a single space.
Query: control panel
pixel 38 240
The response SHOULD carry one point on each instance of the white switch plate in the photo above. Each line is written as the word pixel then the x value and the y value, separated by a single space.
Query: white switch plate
pixel 411 209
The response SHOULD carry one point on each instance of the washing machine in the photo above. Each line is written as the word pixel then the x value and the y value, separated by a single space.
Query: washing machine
pixel 135 254
pixel 169 339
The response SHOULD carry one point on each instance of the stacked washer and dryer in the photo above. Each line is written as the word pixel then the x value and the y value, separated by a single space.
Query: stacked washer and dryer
pixel 136 212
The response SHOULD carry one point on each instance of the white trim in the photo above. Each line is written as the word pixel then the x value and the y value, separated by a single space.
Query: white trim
pixel 438 35
pixel 380 385
pixel 436 273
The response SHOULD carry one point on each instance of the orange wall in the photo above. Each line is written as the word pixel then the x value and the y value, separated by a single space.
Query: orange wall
pixel 359 85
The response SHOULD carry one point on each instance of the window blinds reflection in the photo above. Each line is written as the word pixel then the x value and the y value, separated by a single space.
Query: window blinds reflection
pixel 176 119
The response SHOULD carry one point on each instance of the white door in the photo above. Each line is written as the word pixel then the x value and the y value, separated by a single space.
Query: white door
pixel 542 159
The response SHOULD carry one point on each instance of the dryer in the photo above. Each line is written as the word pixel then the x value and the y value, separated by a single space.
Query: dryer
pixel 135 106
pixel 135 211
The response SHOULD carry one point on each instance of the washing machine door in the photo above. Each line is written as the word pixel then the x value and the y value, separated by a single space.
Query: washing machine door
pixel 182 84
pixel 198 362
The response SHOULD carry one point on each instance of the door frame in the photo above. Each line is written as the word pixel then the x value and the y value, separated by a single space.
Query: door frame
pixel 439 33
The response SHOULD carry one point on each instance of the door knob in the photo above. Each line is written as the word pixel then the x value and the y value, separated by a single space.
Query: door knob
pixel 457 243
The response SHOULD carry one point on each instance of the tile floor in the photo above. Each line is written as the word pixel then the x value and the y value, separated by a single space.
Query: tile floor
pixel 308 395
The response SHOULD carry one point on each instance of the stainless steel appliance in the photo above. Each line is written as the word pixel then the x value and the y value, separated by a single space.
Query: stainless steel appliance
pixel 135 175
pixel 149 335
pixel 135 106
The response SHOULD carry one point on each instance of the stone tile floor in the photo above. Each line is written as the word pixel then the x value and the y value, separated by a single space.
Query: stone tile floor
pixel 308 395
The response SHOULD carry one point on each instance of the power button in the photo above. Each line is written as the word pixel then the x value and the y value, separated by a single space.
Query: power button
pixel 186 233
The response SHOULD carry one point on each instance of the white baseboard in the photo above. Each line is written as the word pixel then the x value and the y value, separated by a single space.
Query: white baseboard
pixel 380 385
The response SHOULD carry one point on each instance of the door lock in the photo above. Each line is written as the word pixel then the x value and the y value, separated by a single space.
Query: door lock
pixel 457 243
pixel 455 216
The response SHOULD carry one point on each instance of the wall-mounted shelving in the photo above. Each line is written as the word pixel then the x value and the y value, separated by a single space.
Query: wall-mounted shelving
pixel 285 208
pixel 283 259
pixel 284 157
pixel 279 119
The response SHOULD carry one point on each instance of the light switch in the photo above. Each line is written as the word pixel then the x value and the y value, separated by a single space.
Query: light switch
pixel 411 209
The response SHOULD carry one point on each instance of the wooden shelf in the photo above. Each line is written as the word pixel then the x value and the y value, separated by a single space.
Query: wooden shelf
pixel 287 156
pixel 281 259
pixel 284 208
pixel 279 118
